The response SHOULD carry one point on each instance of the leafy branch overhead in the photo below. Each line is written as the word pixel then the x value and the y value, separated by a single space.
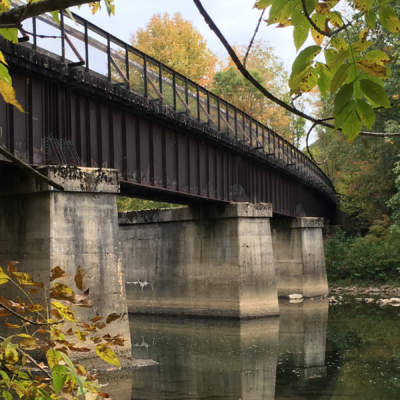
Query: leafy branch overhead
pixel 343 67
pixel 11 17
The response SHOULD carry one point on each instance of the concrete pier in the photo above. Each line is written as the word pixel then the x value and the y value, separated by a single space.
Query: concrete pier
pixel 42 228
pixel 206 261
pixel 299 256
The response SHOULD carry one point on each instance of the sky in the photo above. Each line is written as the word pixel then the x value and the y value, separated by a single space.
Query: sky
pixel 237 20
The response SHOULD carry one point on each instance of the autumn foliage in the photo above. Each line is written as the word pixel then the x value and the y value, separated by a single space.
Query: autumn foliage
pixel 175 42
pixel 50 330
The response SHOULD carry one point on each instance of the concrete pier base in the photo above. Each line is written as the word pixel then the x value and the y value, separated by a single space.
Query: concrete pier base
pixel 43 228
pixel 206 261
pixel 299 256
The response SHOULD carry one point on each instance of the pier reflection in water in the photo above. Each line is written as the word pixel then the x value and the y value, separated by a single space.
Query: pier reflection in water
pixel 226 359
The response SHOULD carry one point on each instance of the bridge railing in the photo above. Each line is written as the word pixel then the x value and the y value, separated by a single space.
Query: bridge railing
pixel 78 42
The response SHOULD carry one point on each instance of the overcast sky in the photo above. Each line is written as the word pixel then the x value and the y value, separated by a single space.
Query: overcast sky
pixel 236 18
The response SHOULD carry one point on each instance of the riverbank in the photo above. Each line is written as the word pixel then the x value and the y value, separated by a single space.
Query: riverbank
pixel 382 295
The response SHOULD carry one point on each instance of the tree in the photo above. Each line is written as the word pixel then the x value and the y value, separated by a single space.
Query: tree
pixel 352 73
pixel 230 84
pixel 176 43
pixel 362 170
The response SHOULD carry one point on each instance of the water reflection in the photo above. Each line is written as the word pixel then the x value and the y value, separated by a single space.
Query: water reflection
pixel 210 359
pixel 302 336
pixel 207 358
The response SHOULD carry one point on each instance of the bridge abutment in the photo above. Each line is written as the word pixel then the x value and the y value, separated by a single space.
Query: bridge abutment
pixel 42 228
pixel 299 256
pixel 203 261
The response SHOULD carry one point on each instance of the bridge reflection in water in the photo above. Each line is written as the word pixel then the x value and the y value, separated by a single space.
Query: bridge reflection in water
pixel 228 359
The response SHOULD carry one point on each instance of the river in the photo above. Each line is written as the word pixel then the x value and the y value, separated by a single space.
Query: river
pixel 312 351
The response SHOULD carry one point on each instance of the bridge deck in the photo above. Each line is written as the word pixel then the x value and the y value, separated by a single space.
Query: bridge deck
pixel 170 138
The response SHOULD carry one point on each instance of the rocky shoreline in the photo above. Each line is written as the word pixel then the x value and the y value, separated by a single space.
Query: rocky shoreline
pixel 385 295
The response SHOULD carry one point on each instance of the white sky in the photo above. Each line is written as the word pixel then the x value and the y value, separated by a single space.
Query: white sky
pixel 236 19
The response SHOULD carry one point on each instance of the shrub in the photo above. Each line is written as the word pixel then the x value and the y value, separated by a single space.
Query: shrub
pixel 369 258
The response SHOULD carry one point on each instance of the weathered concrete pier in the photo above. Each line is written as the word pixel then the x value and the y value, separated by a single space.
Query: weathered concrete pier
pixel 42 228
pixel 231 261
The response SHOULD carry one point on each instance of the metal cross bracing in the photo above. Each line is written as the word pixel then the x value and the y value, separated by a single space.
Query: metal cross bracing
pixel 118 107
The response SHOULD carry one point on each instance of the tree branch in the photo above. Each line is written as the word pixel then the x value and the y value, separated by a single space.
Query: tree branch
pixel 260 87
pixel 22 318
pixel 322 32
pixel 16 15
pixel 254 36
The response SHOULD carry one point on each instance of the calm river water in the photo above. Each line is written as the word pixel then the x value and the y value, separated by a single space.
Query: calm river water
pixel 312 351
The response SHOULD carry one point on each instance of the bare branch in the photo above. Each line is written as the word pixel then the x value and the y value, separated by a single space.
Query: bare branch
pixel 307 146
pixel 16 15
pixel 260 87
pixel 254 36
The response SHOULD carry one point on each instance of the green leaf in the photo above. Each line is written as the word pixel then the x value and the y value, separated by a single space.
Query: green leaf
pixel 262 4
pixel 339 43
pixel 301 29
pixel 10 34
pixel 6 395
pixel 4 377
pixel 370 19
pixel 305 59
pixel 366 113
pixel 335 58
pixel 375 93
pixel 378 56
pixel 389 19
pixel 363 5
pixel 339 77
pixel 342 99
pixel 56 16
pixel 352 125
pixel 310 5
pixel 59 374
pixel 324 80
pixel 280 10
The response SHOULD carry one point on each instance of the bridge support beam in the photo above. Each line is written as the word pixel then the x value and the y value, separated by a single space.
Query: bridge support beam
pixel 205 261
pixel 299 256
pixel 43 228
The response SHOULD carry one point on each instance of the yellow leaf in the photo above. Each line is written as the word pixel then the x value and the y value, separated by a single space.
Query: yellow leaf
pixel 53 357
pixel 8 93
pixel 64 311
pixel 3 277
pixel 81 335
pixel 62 292
pixel 107 354
pixel 11 353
